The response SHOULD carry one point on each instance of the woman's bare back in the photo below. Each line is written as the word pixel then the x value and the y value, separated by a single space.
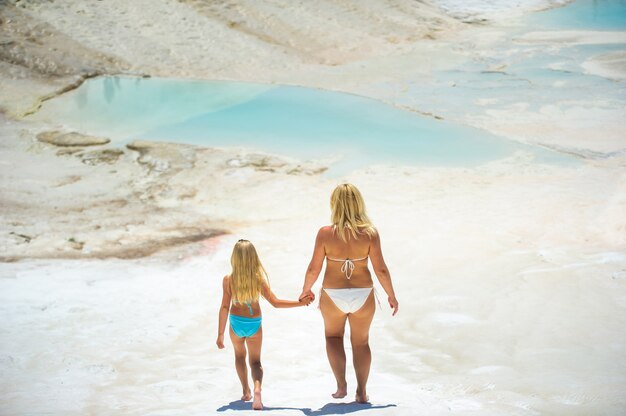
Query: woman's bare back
pixel 353 249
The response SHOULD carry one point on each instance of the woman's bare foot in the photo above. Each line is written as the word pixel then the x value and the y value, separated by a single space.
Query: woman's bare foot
pixel 246 395
pixel 257 404
pixel 361 397
pixel 342 391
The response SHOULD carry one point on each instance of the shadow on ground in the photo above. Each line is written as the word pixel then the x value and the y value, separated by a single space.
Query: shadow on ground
pixel 327 409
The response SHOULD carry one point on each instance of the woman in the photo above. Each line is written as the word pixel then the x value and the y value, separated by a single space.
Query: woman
pixel 347 289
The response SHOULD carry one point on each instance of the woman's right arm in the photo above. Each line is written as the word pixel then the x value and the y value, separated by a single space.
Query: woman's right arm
pixel 315 266
pixel 382 272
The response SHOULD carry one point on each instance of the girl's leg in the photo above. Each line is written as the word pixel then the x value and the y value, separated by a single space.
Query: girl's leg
pixel 254 350
pixel 360 322
pixel 334 327
pixel 240 364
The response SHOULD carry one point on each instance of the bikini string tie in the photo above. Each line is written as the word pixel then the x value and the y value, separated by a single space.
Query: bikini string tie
pixel 347 267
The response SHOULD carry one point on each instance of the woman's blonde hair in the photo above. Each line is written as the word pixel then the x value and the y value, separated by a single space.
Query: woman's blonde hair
pixel 348 212
pixel 248 274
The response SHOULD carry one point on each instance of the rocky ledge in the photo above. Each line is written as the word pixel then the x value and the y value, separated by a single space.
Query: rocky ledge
pixel 71 139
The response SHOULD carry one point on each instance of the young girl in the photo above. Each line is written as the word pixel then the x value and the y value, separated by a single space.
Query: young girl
pixel 245 284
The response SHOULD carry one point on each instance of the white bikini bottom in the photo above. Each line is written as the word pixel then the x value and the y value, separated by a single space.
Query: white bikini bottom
pixel 349 300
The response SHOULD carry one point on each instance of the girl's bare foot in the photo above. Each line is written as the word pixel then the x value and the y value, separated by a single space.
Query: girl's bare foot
pixel 342 391
pixel 361 397
pixel 246 395
pixel 257 404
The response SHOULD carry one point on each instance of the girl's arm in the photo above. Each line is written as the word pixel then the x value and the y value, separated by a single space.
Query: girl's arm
pixel 280 303
pixel 382 273
pixel 315 266
pixel 223 314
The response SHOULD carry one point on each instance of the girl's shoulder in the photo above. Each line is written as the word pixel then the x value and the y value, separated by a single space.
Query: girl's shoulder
pixel 226 282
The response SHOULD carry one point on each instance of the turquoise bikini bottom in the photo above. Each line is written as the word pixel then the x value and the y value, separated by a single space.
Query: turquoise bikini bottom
pixel 244 327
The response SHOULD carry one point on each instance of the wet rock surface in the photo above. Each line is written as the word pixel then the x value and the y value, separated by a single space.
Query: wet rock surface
pixel 123 202
pixel 71 139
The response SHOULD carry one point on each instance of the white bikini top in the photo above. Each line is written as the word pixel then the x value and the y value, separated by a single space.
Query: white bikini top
pixel 348 265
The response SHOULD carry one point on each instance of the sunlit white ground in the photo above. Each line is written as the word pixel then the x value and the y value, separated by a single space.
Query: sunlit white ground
pixel 507 307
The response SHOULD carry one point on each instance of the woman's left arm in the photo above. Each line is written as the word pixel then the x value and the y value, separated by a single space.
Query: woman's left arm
pixel 315 266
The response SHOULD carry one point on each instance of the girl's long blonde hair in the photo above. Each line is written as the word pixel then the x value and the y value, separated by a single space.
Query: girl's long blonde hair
pixel 348 212
pixel 248 274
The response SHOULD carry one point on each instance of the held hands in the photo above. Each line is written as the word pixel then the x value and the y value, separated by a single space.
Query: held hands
pixel 307 293
pixel 393 302
pixel 305 300
pixel 220 342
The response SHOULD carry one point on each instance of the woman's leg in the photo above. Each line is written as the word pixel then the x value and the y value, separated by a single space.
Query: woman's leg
pixel 334 327
pixel 240 363
pixel 254 350
pixel 360 322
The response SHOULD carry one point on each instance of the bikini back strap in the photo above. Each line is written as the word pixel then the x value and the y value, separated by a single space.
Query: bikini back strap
pixel 348 265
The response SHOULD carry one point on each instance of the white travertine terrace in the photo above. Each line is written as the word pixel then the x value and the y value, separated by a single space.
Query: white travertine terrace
pixel 510 276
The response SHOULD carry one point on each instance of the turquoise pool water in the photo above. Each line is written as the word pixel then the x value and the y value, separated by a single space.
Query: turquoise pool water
pixel 301 122
pixel 583 14
pixel 530 76
pixel 356 131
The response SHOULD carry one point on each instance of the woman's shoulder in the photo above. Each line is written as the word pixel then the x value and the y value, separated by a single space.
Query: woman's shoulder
pixel 330 229
pixel 370 232
pixel 330 232
pixel 326 230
